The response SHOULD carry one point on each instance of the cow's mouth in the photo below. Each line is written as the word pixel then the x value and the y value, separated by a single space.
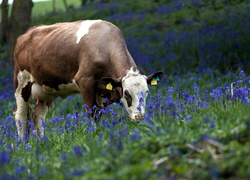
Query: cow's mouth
pixel 137 118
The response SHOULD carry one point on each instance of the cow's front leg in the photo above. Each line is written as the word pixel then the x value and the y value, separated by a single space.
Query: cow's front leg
pixel 40 112
pixel 87 89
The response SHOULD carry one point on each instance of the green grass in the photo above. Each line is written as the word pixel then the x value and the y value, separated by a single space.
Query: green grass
pixel 41 8
pixel 209 144
pixel 192 149
pixel 44 7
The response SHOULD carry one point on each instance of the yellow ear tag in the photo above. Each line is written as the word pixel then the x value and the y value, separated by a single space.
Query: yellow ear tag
pixel 109 86
pixel 153 82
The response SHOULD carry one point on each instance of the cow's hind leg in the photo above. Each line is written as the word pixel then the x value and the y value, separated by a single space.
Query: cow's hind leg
pixel 40 112
pixel 22 94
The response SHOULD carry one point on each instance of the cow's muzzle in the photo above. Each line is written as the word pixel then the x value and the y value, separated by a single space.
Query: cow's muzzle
pixel 137 117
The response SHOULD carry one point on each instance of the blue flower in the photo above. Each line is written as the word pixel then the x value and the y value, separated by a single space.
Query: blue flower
pixel 8 176
pixel 114 122
pixel 101 136
pixel 212 124
pixel 28 146
pixel 30 177
pixel 20 169
pixel 217 93
pixel 77 172
pixel 139 108
pixel 188 119
pixel 214 172
pixel 196 89
pixel 44 124
pixel 171 148
pixel 164 10
pixel 41 157
pixel 205 137
pixel 91 129
pixel 239 82
pixel 63 156
pixel 141 99
pixel 206 119
pixel 170 90
pixel 105 124
pixel 4 157
pixel 43 171
pixel 241 94
pixel 169 101
pixel 78 150
pixel 10 147
pixel 136 135
pixel 56 120
pixel 242 74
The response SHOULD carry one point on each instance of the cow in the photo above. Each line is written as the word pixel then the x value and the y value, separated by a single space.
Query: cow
pixel 88 57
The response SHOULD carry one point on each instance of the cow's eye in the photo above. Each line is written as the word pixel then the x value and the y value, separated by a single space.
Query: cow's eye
pixel 102 95
pixel 126 94
pixel 128 97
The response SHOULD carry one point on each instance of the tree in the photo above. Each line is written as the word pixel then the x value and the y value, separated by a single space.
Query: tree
pixel 66 5
pixel 4 27
pixel 20 21
pixel 54 6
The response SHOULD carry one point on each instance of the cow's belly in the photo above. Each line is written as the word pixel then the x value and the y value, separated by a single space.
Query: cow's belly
pixel 46 93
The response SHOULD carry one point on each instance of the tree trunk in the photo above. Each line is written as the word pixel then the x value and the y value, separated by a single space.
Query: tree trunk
pixel 54 6
pixel 4 28
pixel 20 21
pixel 66 5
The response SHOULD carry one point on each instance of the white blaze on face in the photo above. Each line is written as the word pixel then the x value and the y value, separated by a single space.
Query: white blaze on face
pixel 135 91
pixel 84 29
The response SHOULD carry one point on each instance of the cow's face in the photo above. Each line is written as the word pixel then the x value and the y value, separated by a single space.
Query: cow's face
pixel 132 89
pixel 135 91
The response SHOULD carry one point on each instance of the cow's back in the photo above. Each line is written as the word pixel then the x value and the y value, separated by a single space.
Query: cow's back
pixel 48 52
pixel 54 53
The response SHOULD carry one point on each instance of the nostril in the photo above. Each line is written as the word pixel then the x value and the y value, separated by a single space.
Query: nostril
pixel 138 117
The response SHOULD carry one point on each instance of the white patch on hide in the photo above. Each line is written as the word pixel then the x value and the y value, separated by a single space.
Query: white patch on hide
pixel 84 29
pixel 21 113
pixel 68 89
pixel 136 84
pixel 48 94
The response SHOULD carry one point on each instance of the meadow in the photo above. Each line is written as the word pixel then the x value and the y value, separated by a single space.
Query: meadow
pixel 197 122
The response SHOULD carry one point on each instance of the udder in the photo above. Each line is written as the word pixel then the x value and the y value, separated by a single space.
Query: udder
pixel 38 93
pixel 48 94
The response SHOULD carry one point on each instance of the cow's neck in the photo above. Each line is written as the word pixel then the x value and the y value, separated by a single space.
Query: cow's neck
pixel 122 61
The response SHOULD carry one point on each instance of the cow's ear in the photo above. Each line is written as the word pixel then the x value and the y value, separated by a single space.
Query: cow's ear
pixel 111 83
pixel 155 78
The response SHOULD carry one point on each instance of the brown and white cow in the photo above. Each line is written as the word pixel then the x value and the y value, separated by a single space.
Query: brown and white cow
pixel 88 57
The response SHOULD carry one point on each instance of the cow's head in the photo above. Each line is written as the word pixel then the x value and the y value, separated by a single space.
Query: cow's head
pixel 132 89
